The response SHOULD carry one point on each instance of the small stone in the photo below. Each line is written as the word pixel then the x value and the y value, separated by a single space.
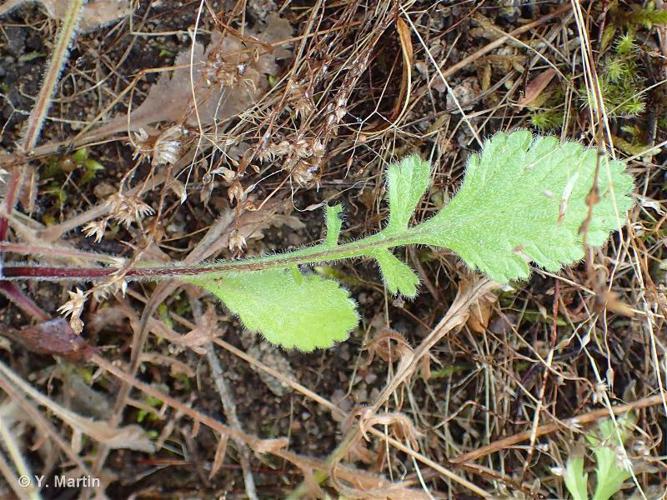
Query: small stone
pixel 466 94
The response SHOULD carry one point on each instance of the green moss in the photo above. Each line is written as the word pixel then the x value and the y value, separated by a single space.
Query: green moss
pixel 547 120
pixel 620 79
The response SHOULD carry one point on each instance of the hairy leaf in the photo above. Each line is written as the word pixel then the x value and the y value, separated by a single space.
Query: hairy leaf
pixel 291 309
pixel 407 182
pixel 398 277
pixel 524 199
pixel 334 224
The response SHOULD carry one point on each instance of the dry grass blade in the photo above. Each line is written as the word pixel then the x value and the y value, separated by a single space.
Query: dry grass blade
pixel 273 446
pixel 455 317
pixel 35 121
pixel 130 437
pixel 574 423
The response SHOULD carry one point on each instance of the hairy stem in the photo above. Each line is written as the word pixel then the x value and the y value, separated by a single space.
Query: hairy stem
pixel 60 51
pixel 38 114
pixel 310 255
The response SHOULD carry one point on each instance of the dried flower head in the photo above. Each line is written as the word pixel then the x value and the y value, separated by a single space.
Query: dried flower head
pixel 301 98
pixel 162 149
pixel 304 172
pixel 227 174
pixel 168 146
pixel 95 229
pixel 237 241
pixel 116 283
pixel 600 392
pixel 277 150
pixel 303 157
pixel 236 192
pixel 73 308
pixel 142 143
pixel 128 209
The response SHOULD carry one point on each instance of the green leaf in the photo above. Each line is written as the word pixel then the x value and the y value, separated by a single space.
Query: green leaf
pixel 293 310
pixel 334 224
pixel 610 474
pixel 524 199
pixel 609 431
pixel 398 277
pixel 576 480
pixel 407 182
pixel 610 471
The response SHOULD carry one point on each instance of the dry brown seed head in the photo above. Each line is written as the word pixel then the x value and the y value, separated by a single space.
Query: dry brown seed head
pixel 73 308
pixel 237 242
pixel 128 209
pixel 95 229
pixel 228 175
pixel 168 146
pixel 304 172
pixel 236 192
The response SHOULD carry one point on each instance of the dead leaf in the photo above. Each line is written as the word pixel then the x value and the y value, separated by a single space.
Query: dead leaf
pixel 94 14
pixel 480 313
pixel 79 396
pixel 130 437
pixel 54 337
pixel 536 86
pixel 227 78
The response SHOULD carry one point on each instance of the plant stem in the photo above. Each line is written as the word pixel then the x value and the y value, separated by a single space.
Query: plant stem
pixel 65 36
pixel 310 255
pixel 38 114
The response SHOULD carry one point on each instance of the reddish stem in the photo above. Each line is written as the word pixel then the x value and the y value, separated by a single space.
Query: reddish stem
pixel 93 273
pixel 22 301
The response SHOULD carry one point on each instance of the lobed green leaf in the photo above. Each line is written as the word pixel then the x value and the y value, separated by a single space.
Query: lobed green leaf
pixel 407 181
pixel 607 443
pixel 610 474
pixel 398 277
pixel 524 199
pixel 334 224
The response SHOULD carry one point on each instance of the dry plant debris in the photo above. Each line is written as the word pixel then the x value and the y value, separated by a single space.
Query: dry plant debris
pixel 225 79
pixel 218 130
pixel 94 14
